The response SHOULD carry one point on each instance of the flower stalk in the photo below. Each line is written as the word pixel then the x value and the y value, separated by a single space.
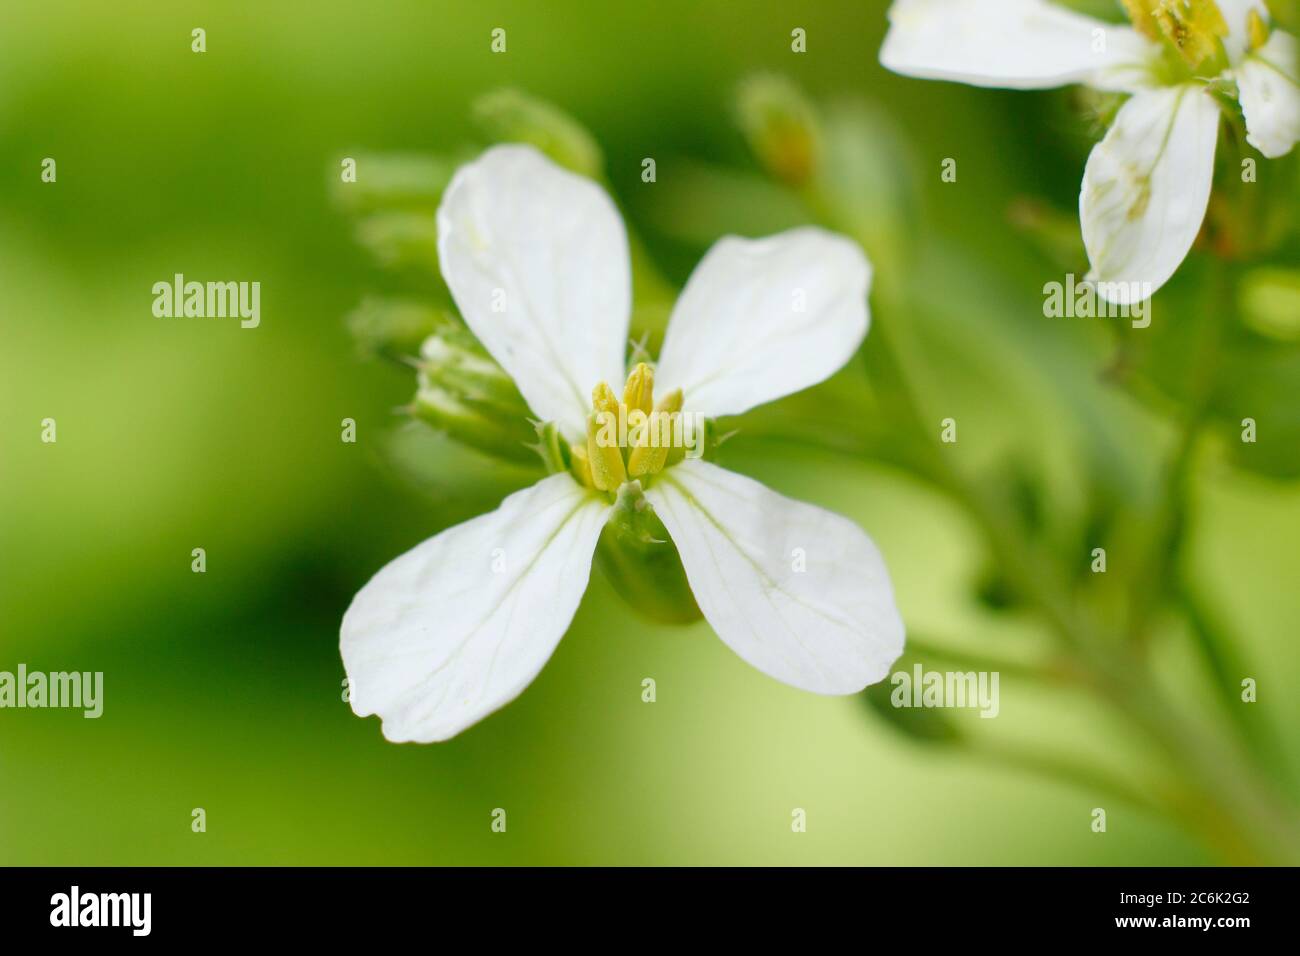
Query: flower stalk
pixel 1221 794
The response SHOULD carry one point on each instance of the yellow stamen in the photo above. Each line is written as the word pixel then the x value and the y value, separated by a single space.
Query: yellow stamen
pixel 1256 29
pixel 603 399
pixel 604 456
pixel 672 402
pixel 650 446
pixel 654 442
pixel 1194 27
pixel 1144 20
pixel 639 393
pixel 580 465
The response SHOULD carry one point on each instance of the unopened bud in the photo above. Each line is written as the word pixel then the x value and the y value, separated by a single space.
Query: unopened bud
pixel 781 126
pixel 477 426
pixel 401 240
pixel 509 116
pixel 395 327
pixel 453 361
pixel 404 182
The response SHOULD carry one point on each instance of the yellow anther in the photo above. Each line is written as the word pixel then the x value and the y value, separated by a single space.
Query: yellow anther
pixel 648 458
pixel 672 402
pixel 1144 20
pixel 1256 29
pixel 1193 27
pixel 604 456
pixel 580 465
pixel 654 441
pixel 639 393
pixel 603 399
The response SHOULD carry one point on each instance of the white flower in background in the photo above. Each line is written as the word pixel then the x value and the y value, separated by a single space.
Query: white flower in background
pixel 537 261
pixel 1146 185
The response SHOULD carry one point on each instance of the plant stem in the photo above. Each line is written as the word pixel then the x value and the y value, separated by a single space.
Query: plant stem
pixel 1056 670
pixel 1155 581
pixel 1233 807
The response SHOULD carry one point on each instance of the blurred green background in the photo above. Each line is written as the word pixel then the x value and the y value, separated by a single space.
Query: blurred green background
pixel 223 689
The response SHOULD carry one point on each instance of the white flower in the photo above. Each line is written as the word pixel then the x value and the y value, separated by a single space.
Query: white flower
pixel 537 261
pixel 1146 185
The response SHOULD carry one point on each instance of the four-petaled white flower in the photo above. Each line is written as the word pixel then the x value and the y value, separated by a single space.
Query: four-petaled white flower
pixel 1146 185
pixel 537 261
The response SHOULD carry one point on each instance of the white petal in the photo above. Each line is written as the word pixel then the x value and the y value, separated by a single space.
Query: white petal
pixel 762 318
pixel 831 628
pixel 1268 86
pixel 1020 44
pixel 459 625
pixel 1145 190
pixel 536 259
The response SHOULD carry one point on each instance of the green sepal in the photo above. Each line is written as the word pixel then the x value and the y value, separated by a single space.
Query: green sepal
pixel 473 424
pixel 642 562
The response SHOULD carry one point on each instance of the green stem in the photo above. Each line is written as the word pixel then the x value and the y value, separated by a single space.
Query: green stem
pixel 1095 781
pixel 1056 670
pixel 1227 668
pixel 1232 807
pixel 1156 581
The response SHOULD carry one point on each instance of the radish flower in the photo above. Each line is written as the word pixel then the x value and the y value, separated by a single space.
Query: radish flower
pixel 537 261
pixel 1146 185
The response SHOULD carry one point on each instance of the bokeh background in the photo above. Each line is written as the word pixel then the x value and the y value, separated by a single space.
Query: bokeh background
pixel 223 689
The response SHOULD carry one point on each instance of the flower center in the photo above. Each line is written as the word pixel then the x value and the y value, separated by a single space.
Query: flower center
pixel 1191 29
pixel 633 438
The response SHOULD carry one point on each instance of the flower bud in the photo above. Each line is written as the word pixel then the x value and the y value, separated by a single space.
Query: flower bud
pixel 509 116
pixel 401 240
pixel 466 394
pixel 455 362
pixel 394 328
pixel 782 128
pixel 404 182
pixel 473 425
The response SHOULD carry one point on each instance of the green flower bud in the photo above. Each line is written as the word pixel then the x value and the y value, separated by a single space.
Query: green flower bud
pixel 401 240
pixel 474 425
pixel 782 128
pixel 509 116
pixel 453 361
pixel 466 394
pixel 395 182
pixel 394 328
pixel 1270 303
